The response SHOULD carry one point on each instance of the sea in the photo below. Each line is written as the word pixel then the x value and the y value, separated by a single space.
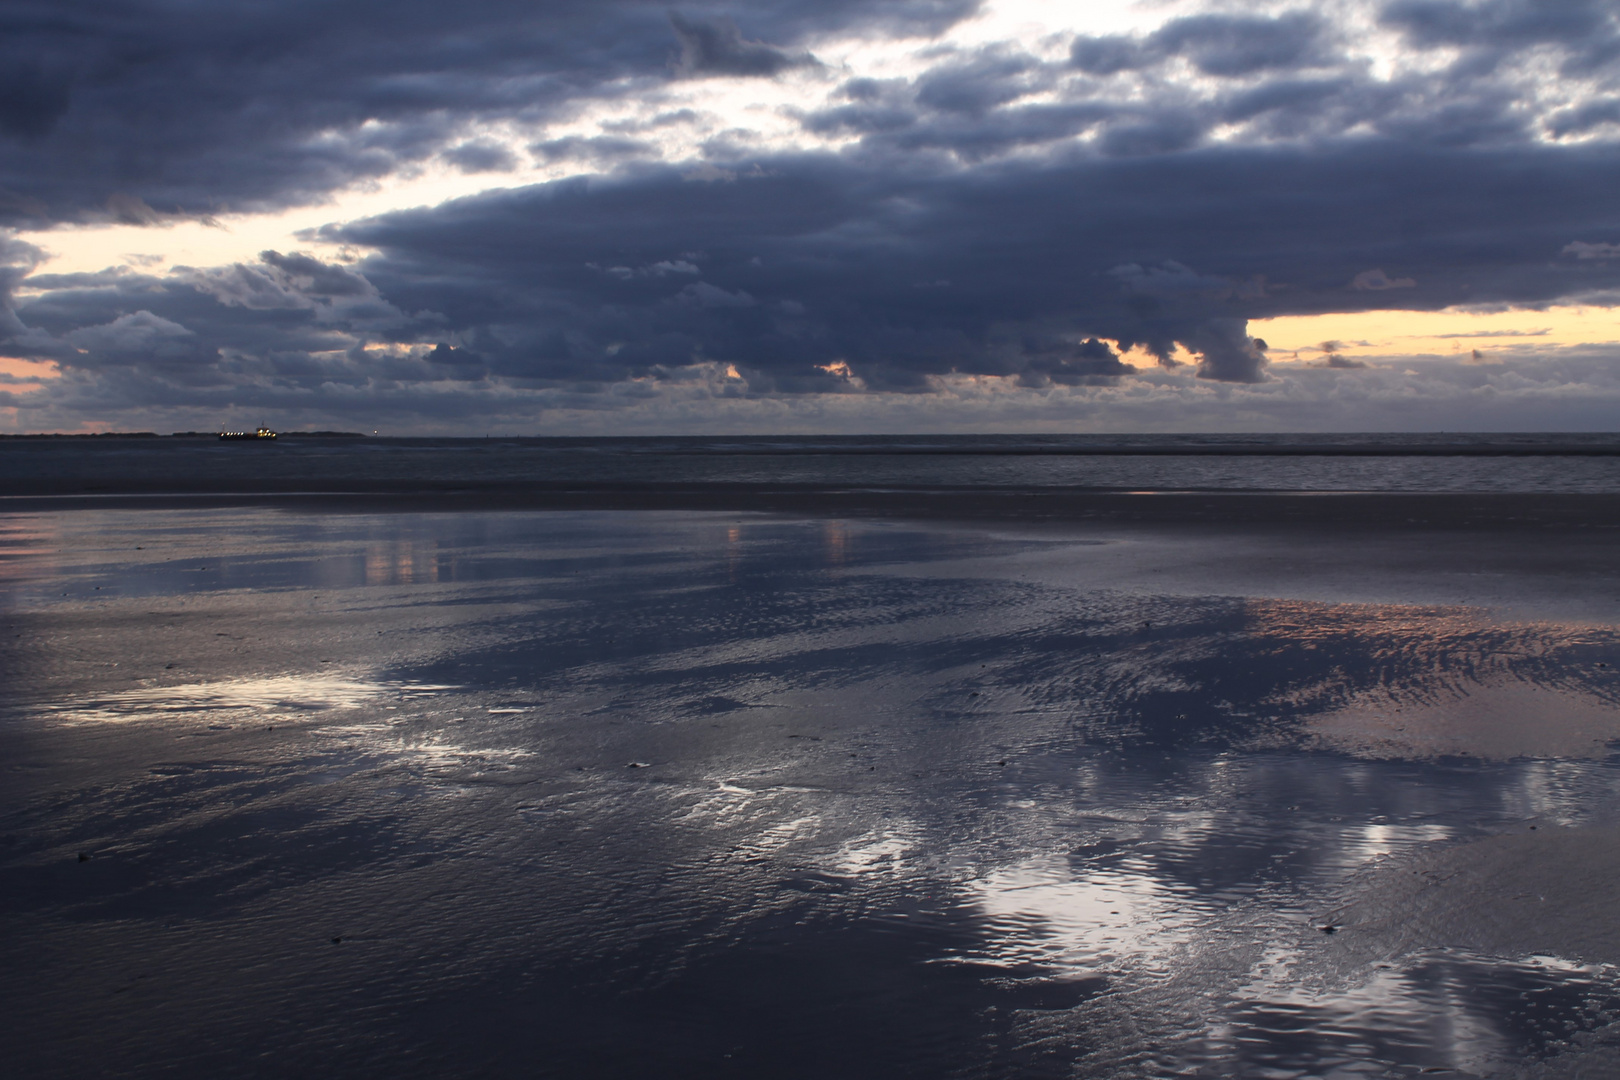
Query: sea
pixel 1588 463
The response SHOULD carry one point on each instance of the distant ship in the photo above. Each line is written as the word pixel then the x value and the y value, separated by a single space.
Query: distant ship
pixel 262 433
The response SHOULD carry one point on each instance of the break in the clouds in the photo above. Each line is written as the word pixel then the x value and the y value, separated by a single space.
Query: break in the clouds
pixel 918 213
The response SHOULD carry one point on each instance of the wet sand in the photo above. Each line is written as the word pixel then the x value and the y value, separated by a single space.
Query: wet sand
pixel 705 792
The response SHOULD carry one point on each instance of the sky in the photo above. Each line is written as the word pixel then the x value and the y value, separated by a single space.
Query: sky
pixel 622 217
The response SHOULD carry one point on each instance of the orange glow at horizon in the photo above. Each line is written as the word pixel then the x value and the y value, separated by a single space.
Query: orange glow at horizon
pixel 35 371
pixel 1451 332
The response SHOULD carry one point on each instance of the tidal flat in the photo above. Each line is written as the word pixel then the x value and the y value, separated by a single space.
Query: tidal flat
pixel 294 790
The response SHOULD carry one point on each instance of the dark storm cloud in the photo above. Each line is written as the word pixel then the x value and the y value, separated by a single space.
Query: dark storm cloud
pixel 1343 363
pixel 718 48
pixel 1587 30
pixel 31 101
pixel 1511 23
pixel 1108 55
pixel 317 279
pixel 479 156
pixel 1161 134
pixel 989 78
pixel 892 121
pixel 803 263
pixel 602 151
pixel 1226 351
pixel 788 267
pixel 1239 45
pixel 1223 45
pixel 815 260
pixel 17 261
pixel 1087 363
pixel 1294 108
pixel 1284 77
pixel 246 104
pixel 875 106
pixel 1592 114
pixel 287 332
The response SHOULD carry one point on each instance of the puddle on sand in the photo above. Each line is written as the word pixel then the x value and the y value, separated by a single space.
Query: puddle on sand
pixel 1497 720
pixel 1046 913
pixel 26 544
pixel 247 699
pixel 386 720
pixel 1436 1011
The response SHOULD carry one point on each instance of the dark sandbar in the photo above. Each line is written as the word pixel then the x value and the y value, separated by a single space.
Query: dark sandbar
pixel 1384 511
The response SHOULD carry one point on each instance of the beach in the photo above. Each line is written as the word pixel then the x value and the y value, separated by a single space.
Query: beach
pixel 938 539
pixel 736 780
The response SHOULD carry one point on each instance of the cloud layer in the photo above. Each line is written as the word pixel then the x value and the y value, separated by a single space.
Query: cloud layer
pixel 1078 217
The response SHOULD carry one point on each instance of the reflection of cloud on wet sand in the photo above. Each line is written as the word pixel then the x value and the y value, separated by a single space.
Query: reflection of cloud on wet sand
pixel 1548 891
pixel 1438 1011
pixel 1495 720
pixel 1043 913
pixel 1395 681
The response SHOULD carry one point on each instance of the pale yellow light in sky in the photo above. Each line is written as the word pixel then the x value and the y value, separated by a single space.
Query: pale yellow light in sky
pixel 236 237
pixel 1453 331
pixel 240 237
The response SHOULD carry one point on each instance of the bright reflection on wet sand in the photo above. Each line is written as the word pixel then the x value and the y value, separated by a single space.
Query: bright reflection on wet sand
pixel 746 796
pixel 267 697
pixel 1049 914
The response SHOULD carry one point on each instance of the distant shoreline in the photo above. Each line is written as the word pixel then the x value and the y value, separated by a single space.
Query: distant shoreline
pixel 104 435
pixel 1566 514
pixel 1370 445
